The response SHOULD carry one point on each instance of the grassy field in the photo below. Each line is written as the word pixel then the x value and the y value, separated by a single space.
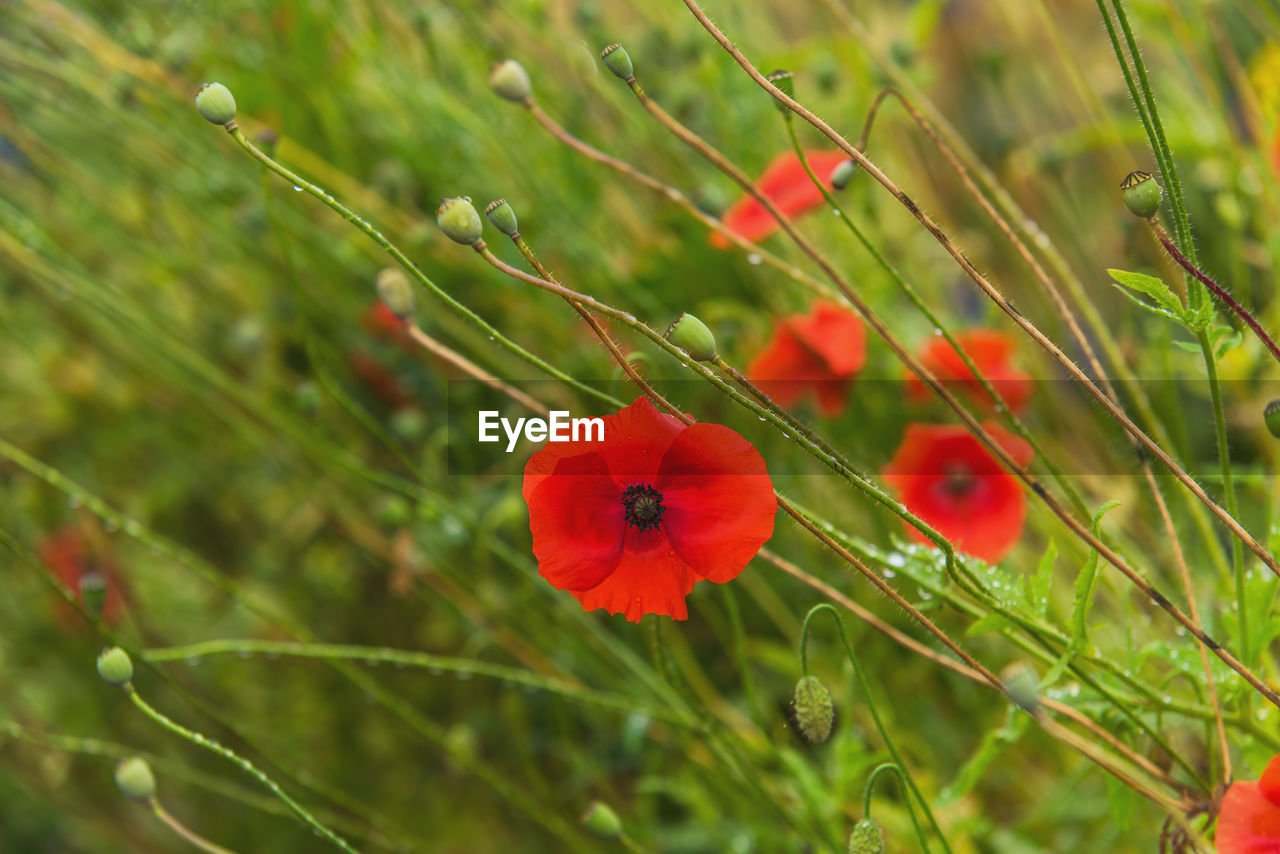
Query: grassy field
pixel 314 564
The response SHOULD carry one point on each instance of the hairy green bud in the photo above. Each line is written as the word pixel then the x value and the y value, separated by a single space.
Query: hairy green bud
pixel 1271 415
pixel 843 174
pixel 395 292
pixel 509 79
pixel 785 81
pixel 503 217
pixel 617 60
pixel 215 103
pixel 1023 686
pixel 814 709
pixel 1141 194
pixel 601 821
pixel 692 335
pixel 867 838
pixel 458 219
pixel 115 666
pixel 93 592
pixel 135 780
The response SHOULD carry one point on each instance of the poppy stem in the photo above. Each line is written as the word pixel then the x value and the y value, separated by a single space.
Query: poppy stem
pixel 906 790
pixel 182 830
pixel 998 298
pixel 462 363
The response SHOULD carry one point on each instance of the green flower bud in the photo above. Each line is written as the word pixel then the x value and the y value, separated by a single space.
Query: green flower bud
pixel 509 79
pixel 814 709
pixel 1141 194
pixel 134 779
pixel 115 666
pixel 215 103
pixel 843 174
pixel 93 592
pixel 601 821
pixel 785 81
pixel 395 292
pixel 307 397
pixel 692 335
pixel 616 59
pixel 1023 686
pixel 458 219
pixel 502 217
pixel 1271 415
pixel 867 838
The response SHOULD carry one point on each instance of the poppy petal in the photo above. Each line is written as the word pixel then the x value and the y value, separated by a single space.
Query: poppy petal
pixel 719 500
pixel 576 517
pixel 1248 823
pixel 652 581
pixel 786 184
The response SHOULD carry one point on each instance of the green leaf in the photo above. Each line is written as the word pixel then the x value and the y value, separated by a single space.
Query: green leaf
pixel 1086 584
pixel 992 622
pixel 1123 802
pixel 1166 304
pixel 993 745
pixel 1040 584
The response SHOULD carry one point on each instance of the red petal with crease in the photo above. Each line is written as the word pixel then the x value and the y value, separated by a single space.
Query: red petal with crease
pixel 576 520
pixel 785 183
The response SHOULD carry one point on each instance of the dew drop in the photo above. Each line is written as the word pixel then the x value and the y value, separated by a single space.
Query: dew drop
pixel 297 189
pixel 754 259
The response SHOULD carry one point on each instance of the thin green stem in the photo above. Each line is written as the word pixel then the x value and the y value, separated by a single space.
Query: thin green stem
pixel 906 798
pixel 244 764
pixel 183 831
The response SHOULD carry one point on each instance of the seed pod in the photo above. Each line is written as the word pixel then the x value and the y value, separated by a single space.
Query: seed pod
pixel 115 666
pixel 395 292
pixel 458 219
pixel 1023 686
pixel 843 174
pixel 867 838
pixel 215 103
pixel 135 780
pixel 509 79
pixel 616 59
pixel 1271 415
pixel 814 709
pixel 785 81
pixel 1141 194
pixel 601 821
pixel 502 217
pixel 93 592
pixel 692 335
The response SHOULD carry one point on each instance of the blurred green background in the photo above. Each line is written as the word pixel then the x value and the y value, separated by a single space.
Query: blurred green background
pixel 185 344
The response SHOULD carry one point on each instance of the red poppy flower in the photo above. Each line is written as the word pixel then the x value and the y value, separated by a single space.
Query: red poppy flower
pixel 950 480
pixel 821 351
pixel 69 556
pixel 631 523
pixel 991 351
pixel 1249 821
pixel 380 322
pixel 784 183
pixel 380 381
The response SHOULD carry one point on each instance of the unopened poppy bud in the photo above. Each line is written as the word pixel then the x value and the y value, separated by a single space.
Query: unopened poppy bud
pixel 395 292
pixel 509 79
pixel 1271 415
pixel 1141 194
pixel 458 219
pixel 215 103
pixel 93 592
pixel 692 335
pixel 785 81
pixel 867 838
pixel 115 666
pixel 814 709
pixel 843 174
pixel 601 821
pixel 502 217
pixel 135 780
pixel 1023 686
pixel 617 60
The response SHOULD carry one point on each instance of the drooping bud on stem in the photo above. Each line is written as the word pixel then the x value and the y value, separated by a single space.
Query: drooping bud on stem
pixel 692 335
pixel 601 821
pixel 135 780
pixel 458 219
pixel 503 217
pixel 867 838
pixel 785 81
pixel 115 666
pixel 814 709
pixel 215 103
pixel 843 174
pixel 509 79
pixel 395 292
pixel 1271 415
pixel 1141 194
pixel 617 60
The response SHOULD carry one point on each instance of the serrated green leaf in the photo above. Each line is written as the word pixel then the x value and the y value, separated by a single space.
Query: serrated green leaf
pixel 992 622
pixel 1166 301
pixel 993 745
pixel 1040 584
pixel 1086 583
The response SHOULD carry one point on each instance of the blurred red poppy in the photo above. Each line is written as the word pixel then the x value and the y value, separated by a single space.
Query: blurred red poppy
pixel 990 351
pixel 821 351
pixel 68 554
pixel 1249 821
pixel 785 183
pixel 950 480
pixel 380 322
pixel 631 523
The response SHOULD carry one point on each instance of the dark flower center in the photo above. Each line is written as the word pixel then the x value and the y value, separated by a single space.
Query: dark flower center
pixel 643 506
pixel 958 480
